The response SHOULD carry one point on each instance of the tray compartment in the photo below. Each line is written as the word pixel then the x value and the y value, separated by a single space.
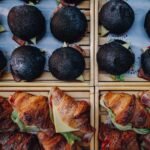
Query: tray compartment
pixel 100 113
pixel 87 43
pixel 102 78
pixel 79 93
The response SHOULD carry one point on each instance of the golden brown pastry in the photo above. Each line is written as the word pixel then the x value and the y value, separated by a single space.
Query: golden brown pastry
pixel 122 106
pixel 57 142
pixel 31 112
pixel 76 114
pixel 145 98
pixel 113 139
pixel 18 141
pixel 126 109
pixel 6 124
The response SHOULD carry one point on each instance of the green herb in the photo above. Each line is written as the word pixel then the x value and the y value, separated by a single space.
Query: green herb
pixel 141 130
pixel 31 3
pixel 118 78
pixel 33 40
pixel 21 125
pixel 80 78
pixel 2 29
pixel 71 138
pixel 58 2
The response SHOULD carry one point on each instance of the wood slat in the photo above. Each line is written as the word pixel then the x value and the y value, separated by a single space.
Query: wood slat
pixel 77 95
pixel 85 40
pixel 46 76
pixel 84 5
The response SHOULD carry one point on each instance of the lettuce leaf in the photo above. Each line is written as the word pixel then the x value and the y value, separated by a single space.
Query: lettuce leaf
pixel 112 117
pixel 103 31
pixel 122 127
pixel 118 77
pixel 70 137
pixel 58 2
pixel 33 40
pixel 31 3
pixel 21 125
pixel 80 78
pixel 141 130
pixel 2 29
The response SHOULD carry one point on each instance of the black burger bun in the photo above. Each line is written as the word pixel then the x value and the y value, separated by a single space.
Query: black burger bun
pixel 3 61
pixel 116 16
pixel 145 62
pixel 27 63
pixel 68 24
pixel 147 23
pixel 26 22
pixel 66 63
pixel 114 58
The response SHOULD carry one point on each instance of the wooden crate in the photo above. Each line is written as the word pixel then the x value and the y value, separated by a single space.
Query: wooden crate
pixel 87 43
pixel 100 113
pixel 102 78
pixel 79 93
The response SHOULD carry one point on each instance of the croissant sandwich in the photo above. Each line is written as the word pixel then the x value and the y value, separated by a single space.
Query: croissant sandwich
pixel 71 118
pixel 128 112
pixel 6 124
pixel 113 139
pixel 59 122
pixel 56 142
pixel 18 141
pixel 31 113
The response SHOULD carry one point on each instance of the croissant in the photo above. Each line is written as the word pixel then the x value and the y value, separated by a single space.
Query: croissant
pixel 18 141
pixel 113 139
pixel 145 98
pixel 57 142
pixel 145 141
pixel 127 110
pixel 31 112
pixel 6 124
pixel 75 114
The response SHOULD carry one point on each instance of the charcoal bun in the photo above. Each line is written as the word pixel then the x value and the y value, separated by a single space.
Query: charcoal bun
pixel 116 16
pixel 27 63
pixel 68 24
pixel 3 61
pixel 115 59
pixel 147 23
pixel 66 63
pixel 26 22
pixel 145 62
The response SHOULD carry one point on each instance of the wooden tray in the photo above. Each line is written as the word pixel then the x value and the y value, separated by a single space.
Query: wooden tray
pixel 79 93
pixel 100 113
pixel 103 78
pixel 87 43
